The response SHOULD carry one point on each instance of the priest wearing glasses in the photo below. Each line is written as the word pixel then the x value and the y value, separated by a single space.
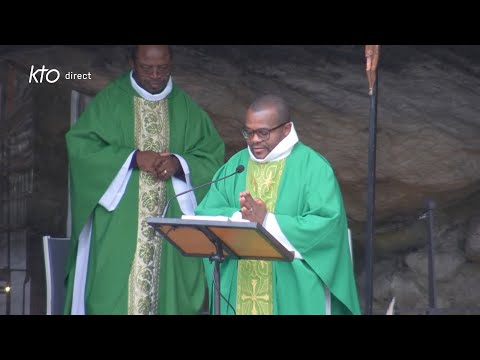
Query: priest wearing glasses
pixel 292 191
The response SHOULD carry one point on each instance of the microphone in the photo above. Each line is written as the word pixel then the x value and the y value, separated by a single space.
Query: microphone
pixel 238 170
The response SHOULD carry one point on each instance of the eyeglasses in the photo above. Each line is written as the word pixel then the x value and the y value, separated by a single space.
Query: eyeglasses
pixel 160 70
pixel 263 133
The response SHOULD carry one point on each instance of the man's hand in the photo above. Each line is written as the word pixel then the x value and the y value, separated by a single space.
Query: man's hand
pixel 252 209
pixel 147 161
pixel 167 166
pixel 160 165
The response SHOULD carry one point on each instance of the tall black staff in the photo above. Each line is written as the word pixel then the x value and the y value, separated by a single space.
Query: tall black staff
pixel 371 53
pixel 432 293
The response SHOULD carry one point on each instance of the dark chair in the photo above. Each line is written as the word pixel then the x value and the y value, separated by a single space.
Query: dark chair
pixel 55 251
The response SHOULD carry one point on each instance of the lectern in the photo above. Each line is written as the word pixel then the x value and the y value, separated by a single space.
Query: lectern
pixel 217 240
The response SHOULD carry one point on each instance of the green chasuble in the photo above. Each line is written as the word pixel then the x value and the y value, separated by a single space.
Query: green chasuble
pixel 130 269
pixel 303 194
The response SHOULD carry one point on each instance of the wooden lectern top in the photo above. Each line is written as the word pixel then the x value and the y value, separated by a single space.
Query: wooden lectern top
pixel 238 239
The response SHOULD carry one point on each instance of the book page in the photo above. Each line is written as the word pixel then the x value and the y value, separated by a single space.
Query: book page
pixel 212 218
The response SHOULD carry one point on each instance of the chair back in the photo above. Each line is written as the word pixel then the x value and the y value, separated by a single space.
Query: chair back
pixel 55 251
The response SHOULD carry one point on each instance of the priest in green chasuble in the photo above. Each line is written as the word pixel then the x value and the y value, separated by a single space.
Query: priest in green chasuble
pixel 292 191
pixel 141 140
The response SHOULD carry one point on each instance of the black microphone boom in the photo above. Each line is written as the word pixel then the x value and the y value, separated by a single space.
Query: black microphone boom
pixel 238 170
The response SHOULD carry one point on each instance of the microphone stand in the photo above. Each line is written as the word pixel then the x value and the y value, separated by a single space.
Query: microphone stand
pixel 238 170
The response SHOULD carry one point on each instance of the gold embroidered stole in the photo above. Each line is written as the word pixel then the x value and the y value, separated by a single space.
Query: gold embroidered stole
pixel 254 277
pixel 152 132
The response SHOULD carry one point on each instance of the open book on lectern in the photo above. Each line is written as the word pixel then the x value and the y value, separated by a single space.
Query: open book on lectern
pixel 197 236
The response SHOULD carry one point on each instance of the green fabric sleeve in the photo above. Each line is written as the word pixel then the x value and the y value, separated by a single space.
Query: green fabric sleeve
pixel 95 156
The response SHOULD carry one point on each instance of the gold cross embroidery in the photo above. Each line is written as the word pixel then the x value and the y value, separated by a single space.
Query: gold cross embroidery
pixel 254 296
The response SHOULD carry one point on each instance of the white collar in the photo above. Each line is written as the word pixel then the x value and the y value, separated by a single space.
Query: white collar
pixel 281 151
pixel 152 97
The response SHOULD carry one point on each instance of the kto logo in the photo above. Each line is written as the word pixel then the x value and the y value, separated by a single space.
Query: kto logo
pixel 50 75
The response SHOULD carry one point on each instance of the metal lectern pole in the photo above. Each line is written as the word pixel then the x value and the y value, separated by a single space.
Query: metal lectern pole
pixel 218 258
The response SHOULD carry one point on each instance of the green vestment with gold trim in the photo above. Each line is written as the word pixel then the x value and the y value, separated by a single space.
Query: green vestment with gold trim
pixel 303 194
pixel 131 270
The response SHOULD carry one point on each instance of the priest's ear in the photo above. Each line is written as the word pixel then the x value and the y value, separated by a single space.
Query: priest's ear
pixel 286 129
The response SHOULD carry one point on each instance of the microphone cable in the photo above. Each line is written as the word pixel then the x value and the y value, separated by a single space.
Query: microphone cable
pixel 215 286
